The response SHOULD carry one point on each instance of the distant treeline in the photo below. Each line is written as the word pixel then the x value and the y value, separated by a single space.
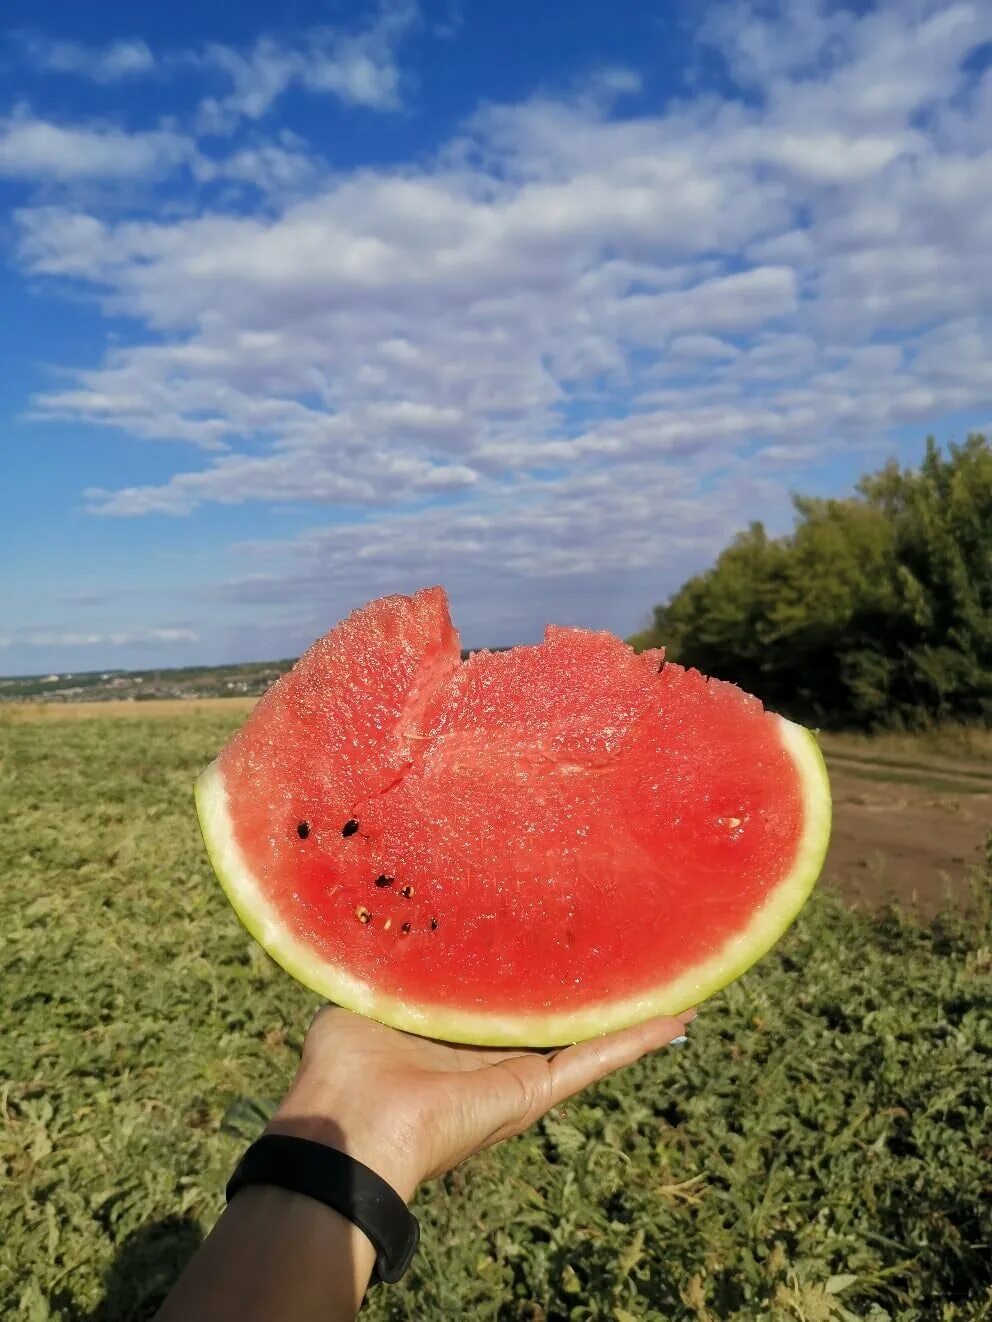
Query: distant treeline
pixel 876 611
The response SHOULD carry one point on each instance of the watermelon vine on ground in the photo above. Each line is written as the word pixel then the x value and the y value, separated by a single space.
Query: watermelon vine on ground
pixel 820 1149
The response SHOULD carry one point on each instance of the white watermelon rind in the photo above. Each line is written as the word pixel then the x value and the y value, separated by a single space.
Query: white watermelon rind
pixel 454 1024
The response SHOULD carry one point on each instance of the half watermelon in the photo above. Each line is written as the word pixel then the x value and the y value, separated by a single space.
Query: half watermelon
pixel 526 848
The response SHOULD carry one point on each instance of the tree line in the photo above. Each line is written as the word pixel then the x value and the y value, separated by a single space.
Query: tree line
pixel 874 612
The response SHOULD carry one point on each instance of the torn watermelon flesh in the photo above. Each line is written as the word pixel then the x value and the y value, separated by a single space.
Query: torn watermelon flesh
pixel 561 825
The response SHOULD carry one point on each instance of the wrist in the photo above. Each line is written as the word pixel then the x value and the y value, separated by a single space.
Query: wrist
pixel 384 1149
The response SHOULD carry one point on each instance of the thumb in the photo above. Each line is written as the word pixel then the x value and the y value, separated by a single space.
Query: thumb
pixel 519 1090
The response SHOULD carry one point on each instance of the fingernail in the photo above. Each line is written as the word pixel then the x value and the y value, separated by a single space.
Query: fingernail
pixel 678 1041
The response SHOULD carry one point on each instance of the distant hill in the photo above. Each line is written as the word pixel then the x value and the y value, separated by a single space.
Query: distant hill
pixel 249 679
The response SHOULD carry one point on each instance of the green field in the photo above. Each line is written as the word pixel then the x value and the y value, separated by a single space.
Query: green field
pixel 821 1148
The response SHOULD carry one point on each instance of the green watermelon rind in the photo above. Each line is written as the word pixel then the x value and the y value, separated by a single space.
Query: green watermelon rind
pixel 455 1024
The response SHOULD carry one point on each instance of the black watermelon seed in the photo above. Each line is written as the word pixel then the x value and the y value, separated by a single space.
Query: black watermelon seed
pixel 303 830
pixel 407 892
pixel 350 827
pixel 405 929
pixel 433 924
pixel 383 880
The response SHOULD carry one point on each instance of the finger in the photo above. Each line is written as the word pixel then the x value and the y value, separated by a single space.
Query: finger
pixel 521 1089
pixel 587 1062
pixel 320 1012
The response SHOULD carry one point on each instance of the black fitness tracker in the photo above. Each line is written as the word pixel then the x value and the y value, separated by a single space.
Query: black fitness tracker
pixel 339 1182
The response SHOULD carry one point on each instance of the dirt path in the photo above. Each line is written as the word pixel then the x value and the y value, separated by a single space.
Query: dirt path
pixel 968 775
pixel 900 841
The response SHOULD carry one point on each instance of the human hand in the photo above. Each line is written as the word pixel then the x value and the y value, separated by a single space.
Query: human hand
pixel 411 1108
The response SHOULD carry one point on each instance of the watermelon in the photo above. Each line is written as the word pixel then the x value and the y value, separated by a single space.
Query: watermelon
pixel 524 848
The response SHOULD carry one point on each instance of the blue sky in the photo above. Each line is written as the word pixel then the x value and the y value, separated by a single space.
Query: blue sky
pixel 541 302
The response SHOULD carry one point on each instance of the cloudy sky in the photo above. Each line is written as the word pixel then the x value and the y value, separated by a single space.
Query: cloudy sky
pixel 308 303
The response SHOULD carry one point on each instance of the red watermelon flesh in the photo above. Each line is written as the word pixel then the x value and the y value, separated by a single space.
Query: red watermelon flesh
pixel 550 842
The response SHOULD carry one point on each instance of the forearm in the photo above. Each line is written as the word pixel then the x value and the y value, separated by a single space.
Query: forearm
pixel 280 1255
pixel 274 1254
pixel 409 1109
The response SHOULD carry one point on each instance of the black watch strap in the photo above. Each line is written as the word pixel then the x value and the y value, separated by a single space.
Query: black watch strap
pixel 340 1182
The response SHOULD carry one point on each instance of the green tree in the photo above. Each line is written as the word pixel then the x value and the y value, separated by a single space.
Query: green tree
pixel 875 611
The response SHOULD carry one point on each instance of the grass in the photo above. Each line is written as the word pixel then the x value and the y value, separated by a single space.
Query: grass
pixel 968 743
pixel 188 708
pixel 820 1150
pixel 888 775
pixel 965 770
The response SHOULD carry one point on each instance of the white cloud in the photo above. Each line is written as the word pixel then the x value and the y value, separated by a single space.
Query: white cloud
pixel 604 87
pixel 124 58
pixel 825 60
pixel 53 637
pixel 41 152
pixel 575 348
pixel 359 68
pixel 701 346
pixel 234 480
pixel 37 149
pixel 763 47
pixel 270 167
pixel 739 302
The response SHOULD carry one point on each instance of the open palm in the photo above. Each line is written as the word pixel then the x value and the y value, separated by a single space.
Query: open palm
pixel 413 1108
